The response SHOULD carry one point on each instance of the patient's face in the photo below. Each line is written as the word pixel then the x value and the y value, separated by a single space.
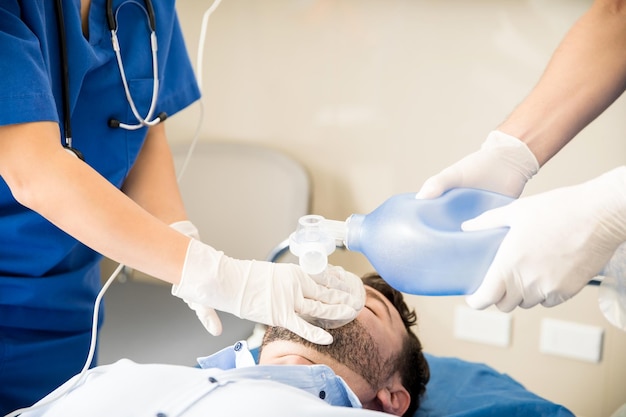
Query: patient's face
pixel 362 351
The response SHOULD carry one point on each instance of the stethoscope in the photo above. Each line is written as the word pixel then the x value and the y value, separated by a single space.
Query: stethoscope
pixel 142 121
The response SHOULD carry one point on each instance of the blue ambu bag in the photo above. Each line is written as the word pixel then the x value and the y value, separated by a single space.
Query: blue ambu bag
pixel 418 246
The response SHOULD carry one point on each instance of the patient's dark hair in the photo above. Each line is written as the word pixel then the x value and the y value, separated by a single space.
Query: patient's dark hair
pixel 410 363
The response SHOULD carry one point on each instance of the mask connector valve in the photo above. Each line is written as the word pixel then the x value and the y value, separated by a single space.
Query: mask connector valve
pixel 312 243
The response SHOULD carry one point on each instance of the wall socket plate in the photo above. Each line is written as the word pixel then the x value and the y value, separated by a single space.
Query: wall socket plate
pixel 488 327
pixel 571 340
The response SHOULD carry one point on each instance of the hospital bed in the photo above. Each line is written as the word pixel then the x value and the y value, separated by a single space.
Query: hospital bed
pixel 258 194
pixel 461 388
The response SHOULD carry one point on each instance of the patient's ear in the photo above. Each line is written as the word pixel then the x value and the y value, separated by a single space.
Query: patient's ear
pixel 393 397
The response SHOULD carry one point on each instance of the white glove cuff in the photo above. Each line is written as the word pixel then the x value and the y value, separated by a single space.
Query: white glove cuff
pixel 514 151
pixel 612 185
pixel 612 293
pixel 187 228
pixel 200 270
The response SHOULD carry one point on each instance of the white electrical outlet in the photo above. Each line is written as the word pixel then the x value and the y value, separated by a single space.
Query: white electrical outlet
pixel 571 340
pixel 488 327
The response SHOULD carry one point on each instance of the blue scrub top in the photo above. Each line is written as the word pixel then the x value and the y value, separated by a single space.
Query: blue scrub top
pixel 48 280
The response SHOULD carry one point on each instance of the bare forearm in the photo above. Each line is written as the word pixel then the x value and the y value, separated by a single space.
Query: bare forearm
pixel 152 183
pixel 74 197
pixel 586 74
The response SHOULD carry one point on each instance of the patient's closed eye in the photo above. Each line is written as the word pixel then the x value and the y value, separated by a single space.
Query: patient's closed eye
pixel 377 305
pixel 370 309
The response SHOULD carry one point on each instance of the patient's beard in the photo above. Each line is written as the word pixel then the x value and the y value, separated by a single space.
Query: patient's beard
pixel 352 346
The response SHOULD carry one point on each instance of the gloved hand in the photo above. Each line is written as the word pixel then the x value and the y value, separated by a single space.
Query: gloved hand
pixel 275 294
pixel 503 164
pixel 557 242
pixel 207 316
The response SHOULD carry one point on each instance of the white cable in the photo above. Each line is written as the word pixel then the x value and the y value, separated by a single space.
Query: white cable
pixel 107 284
pixel 92 349
pixel 192 145
pixel 205 20
pixel 199 60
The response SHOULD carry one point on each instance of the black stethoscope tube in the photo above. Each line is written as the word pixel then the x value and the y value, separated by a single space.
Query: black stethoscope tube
pixel 65 82
pixel 113 23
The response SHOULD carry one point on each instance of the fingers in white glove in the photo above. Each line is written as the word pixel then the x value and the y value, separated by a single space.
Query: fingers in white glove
pixel 503 164
pixel 315 312
pixel 521 274
pixel 208 317
pixel 269 293
pixel 329 300
pixel 337 286
pixel 341 283
pixel 491 291
pixel 436 185
pixel 310 332
pixel 557 242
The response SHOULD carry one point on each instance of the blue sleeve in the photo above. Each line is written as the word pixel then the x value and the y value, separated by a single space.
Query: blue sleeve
pixel 178 83
pixel 25 88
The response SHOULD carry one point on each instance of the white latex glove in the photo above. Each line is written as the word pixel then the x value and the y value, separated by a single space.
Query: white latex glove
pixel 557 242
pixel 207 316
pixel 503 164
pixel 276 294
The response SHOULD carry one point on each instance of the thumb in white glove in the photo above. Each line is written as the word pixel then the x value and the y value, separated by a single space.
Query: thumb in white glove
pixel 207 316
pixel 557 242
pixel 275 294
pixel 503 164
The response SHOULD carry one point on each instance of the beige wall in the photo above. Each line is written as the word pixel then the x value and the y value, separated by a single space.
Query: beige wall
pixel 373 96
